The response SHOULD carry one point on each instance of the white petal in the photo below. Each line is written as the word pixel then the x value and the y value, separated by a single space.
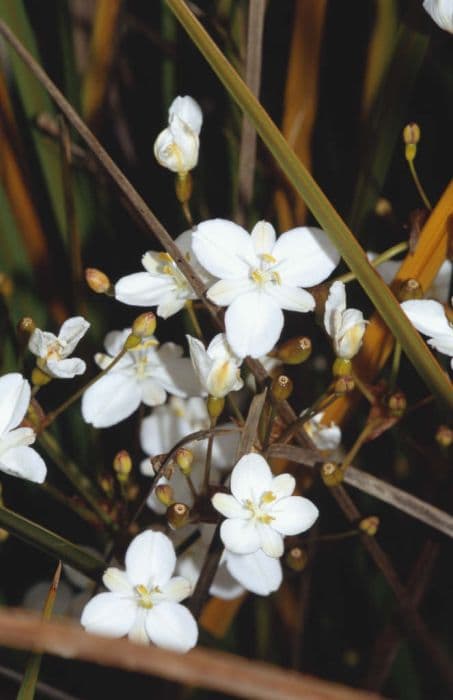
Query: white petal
pixel 117 581
pixel 40 341
pixel 440 288
pixel 224 292
pixel 271 542
pixel 240 536
pixel 228 506
pixel 172 626
pixel 71 332
pixel 177 589
pixel 110 400
pixel 66 369
pixel 161 430
pixel 225 447
pixel 441 11
pixel 257 572
pixel 187 109
pixel 201 362
pixel 250 478
pixel 137 632
pixel 175 373
pixel 14 400
pixel 263 237
pixel 152 393
pixel 110 614
pixel 254 323
pixel 150 559
pixel 171 305
pixel 283 485
pixel 25 463
pixel 17 438
pixel 224 248
pixel 335 305
pixel 293 515
pixel 187 145
pixel 114 341
pixel 443 343
pixel 427 316
pixel 223 378
pixel 143 289
pixel 306 256
pixel 291 298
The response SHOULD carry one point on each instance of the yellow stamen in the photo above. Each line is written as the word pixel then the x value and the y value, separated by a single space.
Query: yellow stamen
pixel 267 257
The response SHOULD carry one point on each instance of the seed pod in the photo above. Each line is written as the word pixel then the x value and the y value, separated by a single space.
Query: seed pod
pixel 281 388
pixel 397 404
pixel 178 515
pixel 295 351
pixel 331 474
pixel 369 525
pixel 296 559
pixel 409 289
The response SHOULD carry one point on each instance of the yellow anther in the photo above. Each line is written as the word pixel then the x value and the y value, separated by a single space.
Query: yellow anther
pixel 144 596
pixel 258 276
pixel 276 277
pixel 165 256
pixel 267 257
pixel 268 497
pixel 265 518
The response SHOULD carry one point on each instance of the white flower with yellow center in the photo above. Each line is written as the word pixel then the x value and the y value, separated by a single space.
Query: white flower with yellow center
pixel 145 374
pixel 429 317
pixel 177 146
pixel 53 351
pixel 345 326
pixel 162 285
pixel 441 12
pixel 261 510
pixel 260 275
pixel 217 368
pixel 144 601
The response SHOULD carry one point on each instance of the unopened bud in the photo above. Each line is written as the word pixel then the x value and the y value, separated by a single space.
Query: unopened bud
pixel 4 534
pixel 295 351
pixel 411 133
pixel 164 494
pixel 178 515
pixel 144 325
pixel 397 404
pixel 409 289
pixel 98 281
pixel 344 385
pixel 26 326
pixel 341 367
pixel 215 407
pixel 383 207
pixel 183 187
pixel 281 388
pixel 296 559
pixel 369 525
pixel 106 483
pixel 122 465
pixel 444 436
pixel 331 474
pixel 132 492
pixel 6 285
pixel 132 341
pixel 184 459
pixel 39 378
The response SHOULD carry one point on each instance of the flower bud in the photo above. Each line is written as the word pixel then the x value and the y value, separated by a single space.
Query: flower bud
pixel 369 525
pixel 296 559
pixel 215 407
pixel 4 534
pixel 98 281
pixel 6 285
pixel 331 474
pixel 295 351
pixel 122 465
pixel 164 494
pixel 184 459
pixel 409 289
pixel 132 341
pixel 281 388
pixel 144 325
pixel 39 378
pixel 344 385
pixel 26 326
pixel 183 187
pixel 397 404
pixel 106 483
pixel 383 207
pixel 341 367
pixel 444 436
pixel 411 134
pixel 178 515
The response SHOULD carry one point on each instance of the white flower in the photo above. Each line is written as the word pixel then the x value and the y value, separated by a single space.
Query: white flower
pixel 429 318
pixel 216 367
pixel 260 276
pixel 326 438
pixel 441 11
pixel 166 426
pixel 16 457
pixel 440 288
pixel 162 285
pixel 177 146
pixel 145 374
pixel 144 601
pixel 261 510
pixel 53 352
pixel 345 326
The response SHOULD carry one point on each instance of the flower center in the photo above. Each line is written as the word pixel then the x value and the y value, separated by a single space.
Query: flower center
pixel 55 350
pixel 259 511
pixel 145 596
pixel 169 267
pixel 266 272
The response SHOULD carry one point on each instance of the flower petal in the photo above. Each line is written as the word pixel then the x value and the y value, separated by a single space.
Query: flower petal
pixel 257 572
pixel 161 430
pixel 14 400
pixel 271 541
pixel 171 626
pixel 306 256
pixel 224 292
pixel 201 362
pixel 224 248
pixel 18 437
pixel 110 614
pixel 150 559
pixel 283 485
pixel 177 589
pixel 66 369
pixel 175 373
pixel 116 581
pixel 137 632
pixel 293 515
pixel 110 400
pixel 291 298
pixel 71 332
pixel 335 305
pixel 25 463
pixel 443 343
pixel 240 536
pixel 427 316
pixel 143 289
pixel 40 341
pixel 250 478
pixel 187 109
pixel 229 506
pixel 254 323
pixel 152 393
pixel 263 237
pixel 114 341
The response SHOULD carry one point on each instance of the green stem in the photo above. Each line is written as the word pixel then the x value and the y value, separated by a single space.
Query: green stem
pixel 418 184
pixel 378 260
pixel 396 359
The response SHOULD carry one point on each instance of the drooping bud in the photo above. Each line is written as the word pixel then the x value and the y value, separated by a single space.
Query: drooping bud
pixel 39 378
pixel 331 474
pixel 144 325
pixel 409 289
pixel 215 407
pixel 397 404
pixel 98 281
pixel 281 388
pixel 164 494
pixel 296 559
pixel 184 459
pixel 6 285
pixel 106 483
pixel 295 351
pixel 178 515
pixel 122 465
pixel 369 525
pixel 444 436
pixel 341 367
pixel 344 385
